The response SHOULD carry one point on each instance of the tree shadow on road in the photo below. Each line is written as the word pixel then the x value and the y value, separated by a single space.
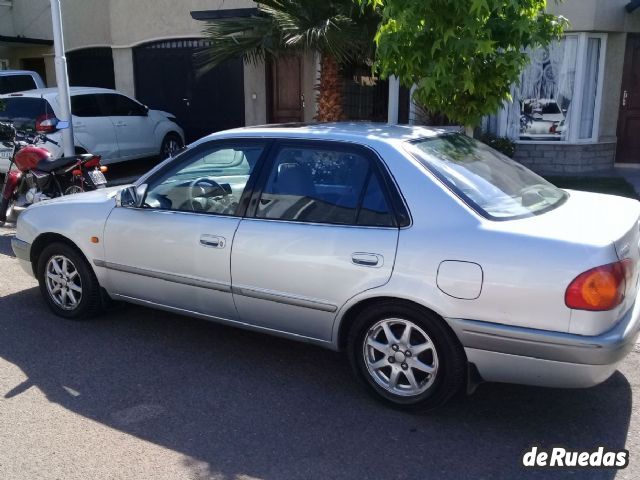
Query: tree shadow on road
pixel 240 403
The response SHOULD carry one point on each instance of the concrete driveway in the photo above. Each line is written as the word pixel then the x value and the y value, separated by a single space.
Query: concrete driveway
pixel 144 394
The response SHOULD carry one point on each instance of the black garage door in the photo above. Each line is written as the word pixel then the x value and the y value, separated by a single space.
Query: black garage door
pixel 167 79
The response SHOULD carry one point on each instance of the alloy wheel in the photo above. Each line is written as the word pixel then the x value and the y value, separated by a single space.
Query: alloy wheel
pixel 171 146
pixel 400 357
pixel 63 282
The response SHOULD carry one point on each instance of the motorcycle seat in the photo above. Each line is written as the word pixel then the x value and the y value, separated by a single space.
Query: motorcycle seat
pixel 49 166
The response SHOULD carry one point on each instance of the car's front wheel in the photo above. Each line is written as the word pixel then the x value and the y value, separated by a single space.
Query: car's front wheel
pixel 67 282
pixel 171 144
pixel 406 356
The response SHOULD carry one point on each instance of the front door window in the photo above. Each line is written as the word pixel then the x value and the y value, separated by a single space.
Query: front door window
pixel 212 180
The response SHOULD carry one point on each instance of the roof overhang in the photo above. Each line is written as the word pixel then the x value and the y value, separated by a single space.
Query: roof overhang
pixel 204 15
pixel 633 5
pixel 24 41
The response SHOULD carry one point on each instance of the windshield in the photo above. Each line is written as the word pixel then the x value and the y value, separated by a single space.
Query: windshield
pixel 494 185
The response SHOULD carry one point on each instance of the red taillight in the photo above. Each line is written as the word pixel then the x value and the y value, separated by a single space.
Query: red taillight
pixel 46 123
pixel 553 128
pixel 601 288
pixel 92 162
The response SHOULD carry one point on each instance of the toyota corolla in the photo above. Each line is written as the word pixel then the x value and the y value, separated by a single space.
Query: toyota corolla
pixel 432 260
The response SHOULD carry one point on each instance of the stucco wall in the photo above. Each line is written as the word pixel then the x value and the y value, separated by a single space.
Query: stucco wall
pixel 132 24
pixel 255 94
pixel 598 15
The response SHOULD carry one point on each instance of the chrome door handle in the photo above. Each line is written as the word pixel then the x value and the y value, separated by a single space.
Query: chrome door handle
pixel 212 241
pixel 367 259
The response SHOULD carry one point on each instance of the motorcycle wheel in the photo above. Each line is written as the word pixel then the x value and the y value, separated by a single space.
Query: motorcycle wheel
pixel 5 207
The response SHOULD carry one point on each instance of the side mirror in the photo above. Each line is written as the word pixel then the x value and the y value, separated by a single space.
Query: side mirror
pixel 131 197
pixel 145 110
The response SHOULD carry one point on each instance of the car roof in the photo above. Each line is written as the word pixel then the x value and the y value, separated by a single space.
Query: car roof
pixel 354 132
pixel 51 92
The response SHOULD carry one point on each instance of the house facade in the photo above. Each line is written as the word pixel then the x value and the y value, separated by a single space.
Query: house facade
pixel 145 48
pixel 576 107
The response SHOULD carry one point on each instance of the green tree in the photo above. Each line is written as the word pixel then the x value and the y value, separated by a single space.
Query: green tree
pixel 463 55
pixel 340 30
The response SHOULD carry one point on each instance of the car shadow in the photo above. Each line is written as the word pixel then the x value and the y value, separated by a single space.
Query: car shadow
pixel 242 403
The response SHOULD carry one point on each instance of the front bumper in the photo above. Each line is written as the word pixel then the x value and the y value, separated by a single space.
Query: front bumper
pixel 22 251
pixel 503 353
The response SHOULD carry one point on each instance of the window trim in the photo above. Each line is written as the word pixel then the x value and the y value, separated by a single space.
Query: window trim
pixel 188 155
pixel 399 219
pixel 579 84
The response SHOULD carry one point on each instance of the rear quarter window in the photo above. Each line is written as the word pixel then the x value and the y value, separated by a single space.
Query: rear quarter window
pixel 16 83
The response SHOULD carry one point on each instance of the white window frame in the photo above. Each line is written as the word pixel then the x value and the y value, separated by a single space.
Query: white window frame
pixel 579 82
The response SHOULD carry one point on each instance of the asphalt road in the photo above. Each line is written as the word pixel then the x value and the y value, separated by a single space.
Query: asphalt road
pixel 143 394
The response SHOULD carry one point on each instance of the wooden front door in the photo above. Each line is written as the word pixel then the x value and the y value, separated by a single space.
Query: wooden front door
pixel 285 86
pixel 629 118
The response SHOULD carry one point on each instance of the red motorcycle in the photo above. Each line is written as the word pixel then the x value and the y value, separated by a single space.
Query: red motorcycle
pixel 37 176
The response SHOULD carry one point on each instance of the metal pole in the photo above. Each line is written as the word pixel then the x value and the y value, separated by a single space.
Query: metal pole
pixel 394 94
pixel 62 79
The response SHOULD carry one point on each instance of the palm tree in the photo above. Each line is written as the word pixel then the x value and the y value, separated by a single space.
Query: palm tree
pixel 341 31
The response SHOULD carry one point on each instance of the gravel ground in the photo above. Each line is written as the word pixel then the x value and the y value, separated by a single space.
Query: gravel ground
pixel 143 394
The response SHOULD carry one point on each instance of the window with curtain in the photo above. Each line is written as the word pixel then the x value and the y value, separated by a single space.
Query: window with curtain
pixel 547 104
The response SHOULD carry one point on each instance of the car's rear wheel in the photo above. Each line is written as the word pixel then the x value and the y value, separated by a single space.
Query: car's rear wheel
pixel 170 145
pixel 406 356
pixel 67 282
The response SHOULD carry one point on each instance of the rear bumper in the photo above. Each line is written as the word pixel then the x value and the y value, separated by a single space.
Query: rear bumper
pixel 504 353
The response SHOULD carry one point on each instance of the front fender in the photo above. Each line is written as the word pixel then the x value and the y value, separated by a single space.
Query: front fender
pixel 78 220
pixel 11 183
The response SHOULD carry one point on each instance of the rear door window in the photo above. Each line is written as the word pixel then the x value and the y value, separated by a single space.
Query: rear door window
pixel 16 83
pixel 324 185
pixel 24 111
pixel 115 105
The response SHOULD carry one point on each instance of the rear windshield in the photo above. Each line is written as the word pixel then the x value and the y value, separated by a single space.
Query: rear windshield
pixel 16 83
pixel 494 185
pixel 23 111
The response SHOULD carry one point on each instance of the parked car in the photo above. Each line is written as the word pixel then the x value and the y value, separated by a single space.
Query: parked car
pixel 433 260
pixel 105 123
pixel 542 119
pixel 19 80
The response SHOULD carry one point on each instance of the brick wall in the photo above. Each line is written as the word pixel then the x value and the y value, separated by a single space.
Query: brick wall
pixel 558 158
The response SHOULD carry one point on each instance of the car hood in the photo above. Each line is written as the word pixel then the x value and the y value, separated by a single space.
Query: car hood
pixel 95 196
pixel 162 113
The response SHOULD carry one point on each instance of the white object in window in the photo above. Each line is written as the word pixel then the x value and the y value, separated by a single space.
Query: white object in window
pixel 558 96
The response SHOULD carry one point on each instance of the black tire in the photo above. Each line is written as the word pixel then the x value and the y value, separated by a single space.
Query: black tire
pixel 166 147
pixel 450 375
pixel 90 303
pixel 4 207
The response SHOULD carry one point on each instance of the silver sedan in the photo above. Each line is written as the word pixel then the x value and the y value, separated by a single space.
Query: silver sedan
pixel 432 260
